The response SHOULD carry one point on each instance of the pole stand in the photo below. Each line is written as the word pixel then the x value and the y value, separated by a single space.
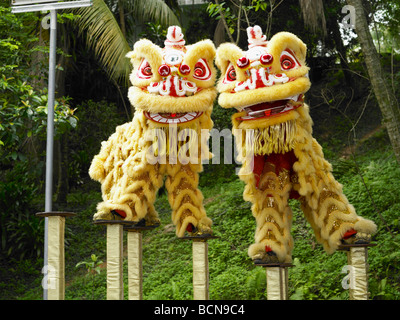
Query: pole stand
pixel 115 285
pixel 357 259
pixel 55 268
pixel 201 280
pixel 135 260
pixel 277 280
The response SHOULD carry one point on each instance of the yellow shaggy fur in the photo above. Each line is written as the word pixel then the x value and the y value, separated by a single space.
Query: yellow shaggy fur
pixel 134 162
pixel 321 196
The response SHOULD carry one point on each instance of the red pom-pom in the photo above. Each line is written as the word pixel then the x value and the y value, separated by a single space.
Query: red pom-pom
pixel 243 62
pixel 266 59
pixel 164 70
pixel 184 69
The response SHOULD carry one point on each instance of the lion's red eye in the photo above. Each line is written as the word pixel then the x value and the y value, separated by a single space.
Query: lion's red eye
pixel 201 70
pixel 287 64
pixel 289 60
pixel 147 70
pixel 144 70
pixel 231 74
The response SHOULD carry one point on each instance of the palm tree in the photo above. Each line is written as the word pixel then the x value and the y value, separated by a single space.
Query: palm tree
pixel 108 39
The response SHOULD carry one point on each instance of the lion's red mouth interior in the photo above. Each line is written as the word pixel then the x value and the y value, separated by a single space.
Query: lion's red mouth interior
pixel 270 109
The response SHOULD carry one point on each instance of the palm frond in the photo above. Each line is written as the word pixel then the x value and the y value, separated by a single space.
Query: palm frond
pixel 153 10
pixel 104 36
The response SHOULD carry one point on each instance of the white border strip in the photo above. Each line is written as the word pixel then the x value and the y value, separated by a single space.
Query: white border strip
pixel 52 6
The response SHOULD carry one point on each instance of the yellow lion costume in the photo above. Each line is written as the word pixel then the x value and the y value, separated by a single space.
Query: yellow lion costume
pixel 280 158
pixel 173 93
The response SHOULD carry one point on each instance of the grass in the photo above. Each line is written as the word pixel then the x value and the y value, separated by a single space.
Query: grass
pixel 371 187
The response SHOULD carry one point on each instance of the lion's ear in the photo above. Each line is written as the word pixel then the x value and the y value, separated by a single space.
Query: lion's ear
pixel 227 53
pixel 286 40
pixel 145 49
pixel 201 53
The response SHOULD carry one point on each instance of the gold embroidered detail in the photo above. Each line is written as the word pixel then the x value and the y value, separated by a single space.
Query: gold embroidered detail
pixel 184 215
pixel 284 178
pixel 270 203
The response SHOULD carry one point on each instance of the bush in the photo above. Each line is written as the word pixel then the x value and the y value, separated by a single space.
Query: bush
pixel 21 231
pixel 85 140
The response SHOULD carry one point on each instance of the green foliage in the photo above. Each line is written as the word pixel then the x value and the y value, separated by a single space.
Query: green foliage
pixel 21 231
pixel 93 268
pixel 24 118
pixel 155 32
pixel 218 10
pixel 85 141
pixel 370 184
pixel 23 115
pixel 256 284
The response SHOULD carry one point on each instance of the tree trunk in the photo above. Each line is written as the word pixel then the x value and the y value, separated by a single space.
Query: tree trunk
pixel 122 18
pixel 382 89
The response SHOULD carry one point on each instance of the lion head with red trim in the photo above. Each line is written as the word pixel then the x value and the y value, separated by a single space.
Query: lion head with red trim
pixel 266 81
pixel 174 84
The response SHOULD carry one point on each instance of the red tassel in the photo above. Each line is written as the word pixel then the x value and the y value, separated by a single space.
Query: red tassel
pixel 268 249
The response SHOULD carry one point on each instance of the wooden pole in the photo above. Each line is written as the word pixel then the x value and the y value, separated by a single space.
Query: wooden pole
pixel 54 281
pixel 277 280
pixel 135 266
pixel 200 270
pixel 277 283
pixel 115 285
pixel 201 279
pixel 357 259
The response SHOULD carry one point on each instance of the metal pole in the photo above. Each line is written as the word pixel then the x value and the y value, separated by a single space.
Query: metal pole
pixel 50 133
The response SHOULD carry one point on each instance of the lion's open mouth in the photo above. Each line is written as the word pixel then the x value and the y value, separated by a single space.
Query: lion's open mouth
pixel 271 109
pixel 172 118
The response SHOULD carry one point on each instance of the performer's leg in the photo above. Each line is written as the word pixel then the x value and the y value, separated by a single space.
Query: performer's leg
pixel 335 221
pixel 130 196
pixel 330 214
pixel 273 241
pixel 186 200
